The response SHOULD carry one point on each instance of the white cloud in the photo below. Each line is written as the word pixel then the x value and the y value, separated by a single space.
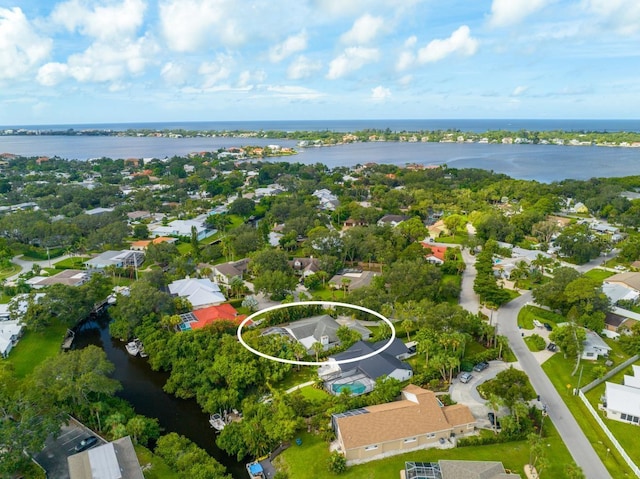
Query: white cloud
pixel 380 93
pixel 411 41
pixel 406 80
pixel 405 60
pixel 103 22
pixel 459 42
pixel 215 72
pixel 51 74
pixel 21 47
pixel 303 67
pixel 174 73
pixel 248 78
pixel 519 90
pixel 350 60
pixel 621 15
pixel 291 91
pixel 364 30
pixel 510 12
pixel 188 25
pixel 293 44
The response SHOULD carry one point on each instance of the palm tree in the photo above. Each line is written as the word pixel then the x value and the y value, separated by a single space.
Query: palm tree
pixel 407 325
pixel 494 403
pixel 236 284
pixel 317 348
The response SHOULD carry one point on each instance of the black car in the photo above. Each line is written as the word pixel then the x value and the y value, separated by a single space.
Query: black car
pixel 547 326
pixel 552 347
pixel 481 366
pixel 86 443
pixel 493 420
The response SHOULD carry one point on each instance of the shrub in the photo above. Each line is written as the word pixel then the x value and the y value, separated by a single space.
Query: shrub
pixel 537 342
pixel 337 463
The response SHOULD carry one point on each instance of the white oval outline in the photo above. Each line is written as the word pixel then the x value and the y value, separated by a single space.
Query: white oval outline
pixel 315 303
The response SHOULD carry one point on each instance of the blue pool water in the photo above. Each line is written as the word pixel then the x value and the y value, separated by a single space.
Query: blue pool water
pixel 355 387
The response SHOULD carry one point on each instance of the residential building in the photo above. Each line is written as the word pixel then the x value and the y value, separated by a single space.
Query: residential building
pixel 114 460
pixel 180 228
pixel 392 220
pixel 328 201
pixel 199 292
pixel 352 278
pixel 119 259
pixel 437 254
pixel 622 401
pixel 629 280
pixel 456 470
pixel 360 376
pixel 10 333
pixel 223 273
pixel 594 346
pixel 142 245
pixel 201 318
pixel 418 421
pixel 305 266
pixel 98 211
pixel 317 329
pixel 68 277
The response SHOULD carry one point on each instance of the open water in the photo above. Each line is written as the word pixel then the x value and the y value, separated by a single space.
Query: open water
pixel 544 163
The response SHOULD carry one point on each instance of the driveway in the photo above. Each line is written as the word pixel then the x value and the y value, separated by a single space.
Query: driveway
pixel 53 458
pixel 468 395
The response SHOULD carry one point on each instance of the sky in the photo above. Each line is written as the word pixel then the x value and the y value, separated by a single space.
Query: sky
pixel 120 61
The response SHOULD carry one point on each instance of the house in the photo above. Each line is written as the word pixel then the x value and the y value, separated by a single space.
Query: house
pixel 619 321
pixel 317 329
pixel 223 273
pixel 201 318
pixel 617 292
pixel 360 376
pixel 199 292
pixel 180 228
pixel 98 211
pixel 622 401
pixel 305 266
pixel 418 421
pixel 437 255
pixel 68 277
pixel 142 245
pixel 352 278
pixel 456 470
pixel 392 220
pixel 138 215
pixel 351 222
pixel 10 333
pixel 327 200
pixel 119 259
pixel 579 207
pixel 630 280
pixel 594 346
pixel 114 460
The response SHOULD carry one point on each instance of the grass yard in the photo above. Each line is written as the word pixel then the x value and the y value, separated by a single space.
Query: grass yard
pixel 598 274
pixel 159 469
pixel 456 239
pixel 314 394
pixel 532 344
pixel 528 314
pixel 74 262
pixel 297 460
pixel 625 433
pixel 558 369
pixel 9 271
pixel 295 377
pixel 36 347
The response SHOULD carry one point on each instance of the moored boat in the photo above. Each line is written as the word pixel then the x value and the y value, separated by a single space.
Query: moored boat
pixel 132 348
pixel 216 422
pixel 255 470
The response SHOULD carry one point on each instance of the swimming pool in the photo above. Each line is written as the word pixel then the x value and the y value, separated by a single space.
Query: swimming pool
pixel 354 387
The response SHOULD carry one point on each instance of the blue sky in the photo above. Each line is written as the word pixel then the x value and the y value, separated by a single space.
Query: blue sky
pixel 104 61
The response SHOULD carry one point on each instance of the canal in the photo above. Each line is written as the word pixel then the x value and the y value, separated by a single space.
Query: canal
pixel 142 388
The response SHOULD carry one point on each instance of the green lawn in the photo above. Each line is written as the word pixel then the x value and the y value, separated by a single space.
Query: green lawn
pixel 531 344
pixel 314 451
pixel 36 347
pixel 529 313
pixel 457 239
pixel 314 394
pixel 295 377
pixel 598 274
pixel 74 262
pixel 9 271
pixel 159 469
pixel 625 433
pixel 559 371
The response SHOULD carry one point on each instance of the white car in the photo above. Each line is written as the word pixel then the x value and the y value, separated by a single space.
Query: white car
pixel 465 377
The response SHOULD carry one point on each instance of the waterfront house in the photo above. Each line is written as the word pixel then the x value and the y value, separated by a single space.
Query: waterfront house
pixel 199 292
pixel 203 317
pixel 68 277
pixel 119 259
pixel 455 469
pixel 114 460
pixel 418 421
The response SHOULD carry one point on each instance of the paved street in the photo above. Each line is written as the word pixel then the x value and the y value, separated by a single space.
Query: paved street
pixel 583 453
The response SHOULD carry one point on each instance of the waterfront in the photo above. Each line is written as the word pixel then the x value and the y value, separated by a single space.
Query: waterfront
pixel 544 163
pixel 142 388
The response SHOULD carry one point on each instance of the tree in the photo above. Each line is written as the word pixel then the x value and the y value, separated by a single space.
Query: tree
pixel 250 302
pixel 407 325
pixel 337 463
pixel 511 385
pixel 268 260
pixel 495 402
pixel 570 338
pixel 454 223
pixel 317 348
pixel 242 207
pixel 552 293
pixel 141 231
pixel 277 284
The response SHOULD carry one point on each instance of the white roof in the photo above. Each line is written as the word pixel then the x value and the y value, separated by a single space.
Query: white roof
pixel 5 345
pixel 623 399
pixel 104 462
pixel 199 292
pixel 616 292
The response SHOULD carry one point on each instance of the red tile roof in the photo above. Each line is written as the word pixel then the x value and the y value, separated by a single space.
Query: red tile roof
pixel 437 251
pixel 221 312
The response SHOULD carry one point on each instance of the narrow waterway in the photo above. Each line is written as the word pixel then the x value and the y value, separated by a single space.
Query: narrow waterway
pixel 142 388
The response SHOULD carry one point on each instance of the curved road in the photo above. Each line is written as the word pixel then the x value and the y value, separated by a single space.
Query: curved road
pixel 507 322
pixel 580 448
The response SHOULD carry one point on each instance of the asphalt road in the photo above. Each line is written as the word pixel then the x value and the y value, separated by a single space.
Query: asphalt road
pixel 580 448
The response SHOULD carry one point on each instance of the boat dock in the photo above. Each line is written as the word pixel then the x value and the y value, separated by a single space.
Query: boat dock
pixel 67 342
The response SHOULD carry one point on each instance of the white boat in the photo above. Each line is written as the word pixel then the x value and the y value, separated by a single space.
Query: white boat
pixel 255 470
pixel 132 348
pixel 216 422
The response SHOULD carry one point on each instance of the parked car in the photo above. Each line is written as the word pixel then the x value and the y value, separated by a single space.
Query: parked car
pixel 493 420
pixel 552 347
pixel 86 443
pixel 547 326
pixel 465 377
pixel 481 366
